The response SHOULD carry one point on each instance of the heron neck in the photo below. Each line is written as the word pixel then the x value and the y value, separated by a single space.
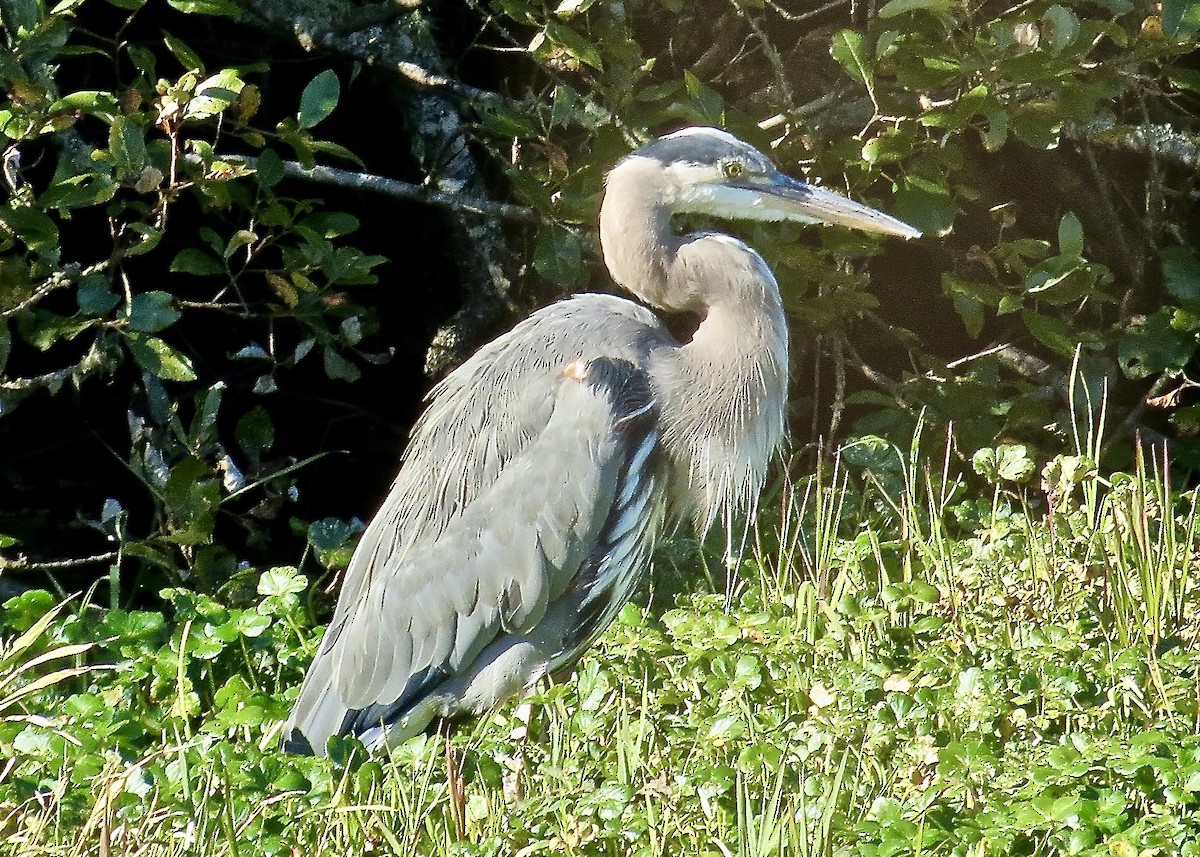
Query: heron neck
pixel 724 392
pixel 635 234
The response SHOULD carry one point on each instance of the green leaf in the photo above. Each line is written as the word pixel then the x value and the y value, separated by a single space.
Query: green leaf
pixel 1181 272
pixel 1155 347
pixel 558 256
pixel 142 59
pixel 927 207
pixel 1070 236
pixel 1060 27
pixel 79 191
pixel 971 312
pixel 94 296
pixel 241 238
pixel 90 101
pixel 506 121
pixel 214 95
pixel 33 226
pixel 127 147
pixel 23 14
pixel 331 224
pixel 282 580
pixel 225 8
pixel 574 45
pixel 153 311
pixel 996 132
pixel 160 359
pixel 872 453
pixel 319 98
pixel 255 432
pixel 188 58
pixel 848 50
pixel 887 148
pixel 193 260
pixel 268 169
pixel 1006 463
pixel 328 533
pixel 191 496
pixel 338 367
pixel 1181 19
pixel 1051 332
pixel 43 329
pixel 1037 122
pixel 706 105
pixel 328 147
pixel 894 8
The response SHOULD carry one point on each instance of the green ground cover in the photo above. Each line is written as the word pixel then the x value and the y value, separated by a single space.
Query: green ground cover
pixel 902 665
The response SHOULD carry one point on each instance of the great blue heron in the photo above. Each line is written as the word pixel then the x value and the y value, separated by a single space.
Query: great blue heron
pixel 535 484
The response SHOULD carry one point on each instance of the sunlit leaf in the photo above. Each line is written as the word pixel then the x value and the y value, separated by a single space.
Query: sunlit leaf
pixel 160 359
pixel 1154 347
pixel 894 8
pixel 1005 463
pixel 848 50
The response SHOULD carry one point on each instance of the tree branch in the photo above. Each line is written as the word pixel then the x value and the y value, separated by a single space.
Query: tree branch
pixel 398 189
pixel 69 273
pixel 1162 141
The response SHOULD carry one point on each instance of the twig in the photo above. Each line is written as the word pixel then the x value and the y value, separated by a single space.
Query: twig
pixel 804 16
pixel 772 55
pixel 70 273
pixel 398 189
pixel 92 360
pixel 954 364
pixel 22 563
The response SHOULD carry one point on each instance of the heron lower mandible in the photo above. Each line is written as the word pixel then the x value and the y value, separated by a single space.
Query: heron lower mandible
pixel 536 482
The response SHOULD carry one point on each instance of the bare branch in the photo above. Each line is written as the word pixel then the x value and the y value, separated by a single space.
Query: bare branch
pixel 23 563
pixel 803 16
pixel 398 189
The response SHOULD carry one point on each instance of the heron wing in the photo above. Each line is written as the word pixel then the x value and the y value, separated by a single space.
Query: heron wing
pixel 479 418
pixel 516 549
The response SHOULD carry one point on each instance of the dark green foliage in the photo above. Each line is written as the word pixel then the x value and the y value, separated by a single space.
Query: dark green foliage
pixel 109 172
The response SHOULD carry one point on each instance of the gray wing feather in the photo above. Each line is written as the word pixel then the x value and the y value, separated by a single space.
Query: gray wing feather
pixel 494 549
pixel 498 570
pixel 411 615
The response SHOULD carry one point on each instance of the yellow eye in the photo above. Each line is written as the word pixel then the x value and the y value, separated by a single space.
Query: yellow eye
pixel 733 169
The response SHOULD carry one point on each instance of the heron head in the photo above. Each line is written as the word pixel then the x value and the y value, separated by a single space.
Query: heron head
pixel 710 171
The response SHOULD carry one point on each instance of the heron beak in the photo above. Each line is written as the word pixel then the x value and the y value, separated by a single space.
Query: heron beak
pixel 782 197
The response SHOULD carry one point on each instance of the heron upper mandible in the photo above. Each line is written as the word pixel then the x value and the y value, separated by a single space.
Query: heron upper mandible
pixel 535 484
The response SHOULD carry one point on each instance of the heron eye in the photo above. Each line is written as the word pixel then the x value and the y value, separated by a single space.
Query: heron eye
pixel 733 169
